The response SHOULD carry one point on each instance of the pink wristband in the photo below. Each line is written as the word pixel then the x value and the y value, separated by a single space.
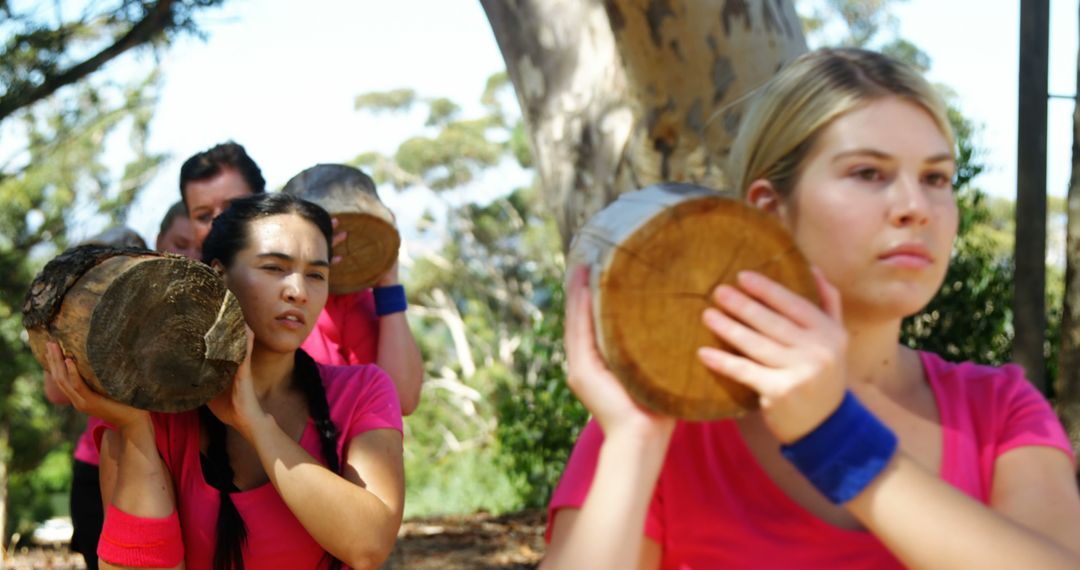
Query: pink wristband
pixel 140 542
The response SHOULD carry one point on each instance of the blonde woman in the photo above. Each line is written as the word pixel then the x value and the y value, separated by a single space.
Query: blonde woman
pixel 864 454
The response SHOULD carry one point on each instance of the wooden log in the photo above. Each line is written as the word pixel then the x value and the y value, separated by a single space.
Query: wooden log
pixel 656 255
pixel 156 331
pixel 371 246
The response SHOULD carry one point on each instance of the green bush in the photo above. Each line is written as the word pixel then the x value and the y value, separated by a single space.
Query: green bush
pixel 539 417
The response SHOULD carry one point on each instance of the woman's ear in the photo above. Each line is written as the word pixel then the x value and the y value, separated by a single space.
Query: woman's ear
pixel 763 195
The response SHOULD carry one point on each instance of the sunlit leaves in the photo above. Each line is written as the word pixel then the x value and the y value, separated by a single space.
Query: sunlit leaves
pixel 382 101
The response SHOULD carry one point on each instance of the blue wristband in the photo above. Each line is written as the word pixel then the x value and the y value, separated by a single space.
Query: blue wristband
pixel 845 453
pixel 389 299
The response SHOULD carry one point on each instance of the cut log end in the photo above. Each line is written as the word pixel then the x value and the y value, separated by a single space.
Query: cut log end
pixel 160 360
pixel 656 257
pixel 370 249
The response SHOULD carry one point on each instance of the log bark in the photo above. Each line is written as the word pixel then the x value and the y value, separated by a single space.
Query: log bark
pixel 622 94
pixel 656 256
pixel 156 331
pixel 371 247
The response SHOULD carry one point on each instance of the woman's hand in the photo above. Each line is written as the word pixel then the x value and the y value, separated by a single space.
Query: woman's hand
pixel 239 406
pixel 65 375
pixel 337 238
pixel 589 377
pixel 791 352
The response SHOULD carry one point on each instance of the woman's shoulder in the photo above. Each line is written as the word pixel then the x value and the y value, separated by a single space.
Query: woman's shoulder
pixel 361 391
pixel 995 394
pixel 972 376
pixel 353 377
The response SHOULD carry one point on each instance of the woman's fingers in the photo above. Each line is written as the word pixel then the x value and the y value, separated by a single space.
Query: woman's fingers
pixel 743 339
pixel 58 369
pixel 743 370
pixel 245 367
pixel 781 300
pixel 578 337
pixel 830 296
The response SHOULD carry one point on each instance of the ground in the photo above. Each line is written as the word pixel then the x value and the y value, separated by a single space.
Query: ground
pixel 478 541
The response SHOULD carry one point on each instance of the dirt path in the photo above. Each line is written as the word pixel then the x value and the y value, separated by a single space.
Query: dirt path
pixel 480 541
pixel 477 541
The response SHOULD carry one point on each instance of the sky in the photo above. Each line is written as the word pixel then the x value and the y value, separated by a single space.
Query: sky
pixel 280 77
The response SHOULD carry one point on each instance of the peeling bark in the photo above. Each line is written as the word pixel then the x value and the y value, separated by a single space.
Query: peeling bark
pixel 622 94
pixel 562 60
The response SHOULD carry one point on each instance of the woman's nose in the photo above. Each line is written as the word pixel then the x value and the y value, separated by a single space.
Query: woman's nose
pixel 294 289
pixel 910 205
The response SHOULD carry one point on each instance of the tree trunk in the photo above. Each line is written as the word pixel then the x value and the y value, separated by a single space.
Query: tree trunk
pixel 1067 386
pixel 156 332
pixel 621 94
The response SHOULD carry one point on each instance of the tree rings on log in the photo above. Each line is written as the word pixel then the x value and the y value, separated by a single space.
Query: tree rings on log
pixel 155 331
pixel 656 255
pixel 371 246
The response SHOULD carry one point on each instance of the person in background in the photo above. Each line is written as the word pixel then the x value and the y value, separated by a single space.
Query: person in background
pixel 175 235
pixel 864 453
pixel 211 179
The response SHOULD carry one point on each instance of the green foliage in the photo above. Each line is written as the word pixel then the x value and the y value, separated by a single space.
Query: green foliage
pixel 40 493
pixel 396 100
pixel 497 420
pixel 450 151
pixel 458 483
pixel 539 417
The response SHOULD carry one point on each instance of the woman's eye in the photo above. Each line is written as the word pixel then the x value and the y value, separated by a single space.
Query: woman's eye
pixel 272 268
pixel 317 276
pixel 868 174
pixel 938 179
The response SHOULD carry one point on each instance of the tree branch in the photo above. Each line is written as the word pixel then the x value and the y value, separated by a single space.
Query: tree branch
pixel 157 20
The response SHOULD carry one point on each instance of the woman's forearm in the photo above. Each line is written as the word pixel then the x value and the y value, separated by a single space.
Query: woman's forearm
pixel 142 484
pixel 947 529
pixel 351 522
pixel 609 529
pixel 135 481
pixel 400 358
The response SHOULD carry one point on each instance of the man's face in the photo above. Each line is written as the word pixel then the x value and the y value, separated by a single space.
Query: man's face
pixel 207 199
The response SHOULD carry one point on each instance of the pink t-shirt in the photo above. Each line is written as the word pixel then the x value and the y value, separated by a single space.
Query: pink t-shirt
pixel 347 331
pixel 714 507
pixel 361 398
pixel 85 450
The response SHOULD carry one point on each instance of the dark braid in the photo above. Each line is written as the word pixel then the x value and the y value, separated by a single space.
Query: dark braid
pixel 231 530
pixel 306 376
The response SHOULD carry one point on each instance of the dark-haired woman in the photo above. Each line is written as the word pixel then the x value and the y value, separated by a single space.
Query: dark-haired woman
pixel 268 474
